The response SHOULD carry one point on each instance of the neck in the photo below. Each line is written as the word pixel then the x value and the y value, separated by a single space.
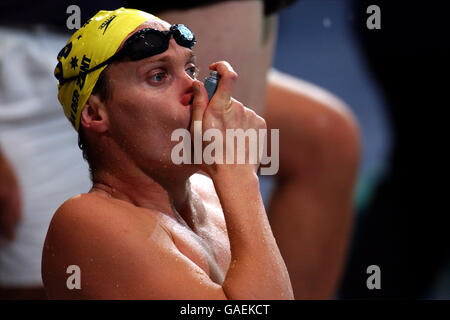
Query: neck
pixel 163 188
pixel 171 196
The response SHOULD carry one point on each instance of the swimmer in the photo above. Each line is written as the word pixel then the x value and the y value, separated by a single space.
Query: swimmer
pixel 150 229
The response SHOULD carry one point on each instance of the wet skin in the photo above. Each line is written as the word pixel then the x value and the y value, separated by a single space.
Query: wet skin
pixel 150 229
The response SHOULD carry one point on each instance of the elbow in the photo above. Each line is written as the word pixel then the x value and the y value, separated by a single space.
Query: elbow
pixel 340 141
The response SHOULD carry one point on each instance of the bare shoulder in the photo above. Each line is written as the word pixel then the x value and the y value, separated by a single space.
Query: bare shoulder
pixel 120 251
pixel 92 232
pixel 88 212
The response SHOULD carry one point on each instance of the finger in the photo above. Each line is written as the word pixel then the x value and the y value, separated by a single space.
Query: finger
pixel 199 103
pixel 225 87
pixel 226 64
pixel 235 106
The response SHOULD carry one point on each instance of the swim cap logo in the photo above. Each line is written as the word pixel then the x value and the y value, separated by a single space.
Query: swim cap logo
pixel 86 23
pixel 106 24
pixel 84 67
pixel 74 62
pixel 74 106
pixel 65 51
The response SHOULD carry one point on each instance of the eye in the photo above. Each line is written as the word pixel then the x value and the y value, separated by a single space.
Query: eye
pixel 192 72
pixel 158 77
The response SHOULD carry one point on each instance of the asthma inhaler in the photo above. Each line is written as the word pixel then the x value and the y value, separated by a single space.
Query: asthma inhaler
pixel 211 83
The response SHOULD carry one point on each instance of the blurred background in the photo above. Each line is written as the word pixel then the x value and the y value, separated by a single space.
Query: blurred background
pixel 394 80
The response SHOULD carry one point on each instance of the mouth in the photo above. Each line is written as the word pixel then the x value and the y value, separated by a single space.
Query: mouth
pixel 187 99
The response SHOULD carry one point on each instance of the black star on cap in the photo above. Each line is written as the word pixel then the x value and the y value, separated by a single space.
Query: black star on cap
pixel 74 62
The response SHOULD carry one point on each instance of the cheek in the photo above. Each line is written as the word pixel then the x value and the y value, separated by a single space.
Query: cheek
pixel 134 123
pixel 141 124
pixel 163 114
pixel 141 112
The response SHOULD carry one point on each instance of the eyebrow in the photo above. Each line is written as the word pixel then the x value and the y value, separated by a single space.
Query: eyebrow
pixel 190 58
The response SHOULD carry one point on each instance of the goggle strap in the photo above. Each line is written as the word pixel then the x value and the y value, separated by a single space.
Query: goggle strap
pixel 107 61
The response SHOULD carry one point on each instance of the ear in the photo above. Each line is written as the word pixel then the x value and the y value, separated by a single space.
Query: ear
pixel 94 116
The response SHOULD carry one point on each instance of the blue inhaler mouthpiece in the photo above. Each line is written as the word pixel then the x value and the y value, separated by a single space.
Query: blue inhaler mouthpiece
pixel 211 83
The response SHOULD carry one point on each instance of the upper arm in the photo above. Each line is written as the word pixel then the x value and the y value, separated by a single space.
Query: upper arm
pixel 116 261
pixel 320 124
pixel 287 87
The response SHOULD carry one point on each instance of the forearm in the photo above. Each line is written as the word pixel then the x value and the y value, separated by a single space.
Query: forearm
pixel 257 270
pixel 311 207
pixel 313 231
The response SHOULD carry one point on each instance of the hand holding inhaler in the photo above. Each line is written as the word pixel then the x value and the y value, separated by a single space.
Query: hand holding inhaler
pixel 214 107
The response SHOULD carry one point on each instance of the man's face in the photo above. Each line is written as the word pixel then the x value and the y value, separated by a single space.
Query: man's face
pixel 151 98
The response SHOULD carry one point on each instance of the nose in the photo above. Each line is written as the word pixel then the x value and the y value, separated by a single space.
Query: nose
pixel 187 89
pixel 186 80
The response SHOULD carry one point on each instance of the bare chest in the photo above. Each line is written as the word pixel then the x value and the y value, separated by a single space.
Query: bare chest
pixel 207 246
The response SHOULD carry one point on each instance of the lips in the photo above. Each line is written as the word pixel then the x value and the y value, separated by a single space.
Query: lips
pixel 187 99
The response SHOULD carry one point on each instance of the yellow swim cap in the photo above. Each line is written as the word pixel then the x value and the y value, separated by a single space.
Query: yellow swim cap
pixel 96 41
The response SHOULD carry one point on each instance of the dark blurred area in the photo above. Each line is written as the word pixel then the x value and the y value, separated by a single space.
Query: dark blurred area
pixel 54 12
pixel 404 229
pixel 395 81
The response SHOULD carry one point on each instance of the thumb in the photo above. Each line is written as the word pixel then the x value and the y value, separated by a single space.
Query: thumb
pixel 199 103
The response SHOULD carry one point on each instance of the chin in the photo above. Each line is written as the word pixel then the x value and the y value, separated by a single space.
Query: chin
pixel 172 171
pixel 184 118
